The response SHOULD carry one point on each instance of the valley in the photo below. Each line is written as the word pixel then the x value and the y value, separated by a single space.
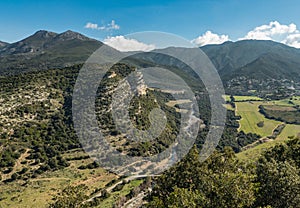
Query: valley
pixel 43 164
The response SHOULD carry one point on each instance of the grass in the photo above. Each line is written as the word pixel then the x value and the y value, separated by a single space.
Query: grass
pixel 35 194
pixel 289 131
pixel 250 117
pixel 295 100
pixel 240 98
pixel 252 154
pixel 279 108
pixel 247 98
pixel 172 103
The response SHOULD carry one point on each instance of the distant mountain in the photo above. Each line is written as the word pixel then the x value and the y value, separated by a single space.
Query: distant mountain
pixel 255 59
pixel 44 50
pixel 258 59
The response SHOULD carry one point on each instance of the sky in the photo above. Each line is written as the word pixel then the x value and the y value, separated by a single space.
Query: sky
pixel 201 22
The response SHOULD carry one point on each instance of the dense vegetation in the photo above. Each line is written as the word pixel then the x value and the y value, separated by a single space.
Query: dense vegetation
pixel 45 126
pixel 36 125
pixel 223 181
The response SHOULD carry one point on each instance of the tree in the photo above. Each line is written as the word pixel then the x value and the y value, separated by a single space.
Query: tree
pixel 279 184
pixel 278 176
pixel 14 176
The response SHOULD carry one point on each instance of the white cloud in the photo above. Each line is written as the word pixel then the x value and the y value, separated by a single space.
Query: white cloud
pixel 293 40
pixel 287 34
pixel 210 38
pixel 110 26
pixel 125 44
pixel 90 25
pixel 113 25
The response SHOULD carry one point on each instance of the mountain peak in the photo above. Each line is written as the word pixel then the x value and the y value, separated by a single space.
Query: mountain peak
pixel 44 34
pixel 69 34
pixel 2 44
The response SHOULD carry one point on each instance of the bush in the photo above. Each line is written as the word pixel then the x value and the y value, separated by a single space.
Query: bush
pixel 260 124
pixel 14 176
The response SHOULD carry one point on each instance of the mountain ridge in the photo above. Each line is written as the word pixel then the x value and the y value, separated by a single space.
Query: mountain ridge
pixel 3 44
pixel 231 57
pixel 45 50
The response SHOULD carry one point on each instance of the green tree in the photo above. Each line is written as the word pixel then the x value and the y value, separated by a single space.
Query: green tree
pixel 180 197
pixel 278 176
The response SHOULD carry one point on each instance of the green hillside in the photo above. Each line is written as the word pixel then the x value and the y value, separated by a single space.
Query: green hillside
pixel 43 164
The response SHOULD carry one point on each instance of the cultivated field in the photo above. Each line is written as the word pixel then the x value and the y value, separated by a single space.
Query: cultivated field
pixel 251 117
pixel 290 130
pixel 239 98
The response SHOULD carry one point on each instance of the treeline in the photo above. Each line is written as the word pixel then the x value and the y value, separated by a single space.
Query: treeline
pixel 231 137
pixel 223 181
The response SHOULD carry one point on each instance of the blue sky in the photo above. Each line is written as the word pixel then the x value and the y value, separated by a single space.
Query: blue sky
pixel 189 19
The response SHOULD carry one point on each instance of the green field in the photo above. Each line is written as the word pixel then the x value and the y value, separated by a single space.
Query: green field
pixel 240 98
pixel 295 100
pixel 254 153
pixel 250 117
pixel 289 131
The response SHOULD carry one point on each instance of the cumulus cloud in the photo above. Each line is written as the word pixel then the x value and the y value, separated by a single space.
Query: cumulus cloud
pixel 292 40
pixel 111 26
pixel 210 38
pixel 125 44
pixel 287 34
pixel 90 25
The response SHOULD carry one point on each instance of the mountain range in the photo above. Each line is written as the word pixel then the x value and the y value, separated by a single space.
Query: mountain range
pixel 256 59
pixel 44 50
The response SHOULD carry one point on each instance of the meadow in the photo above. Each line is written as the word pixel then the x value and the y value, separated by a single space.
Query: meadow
pixel 251 116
